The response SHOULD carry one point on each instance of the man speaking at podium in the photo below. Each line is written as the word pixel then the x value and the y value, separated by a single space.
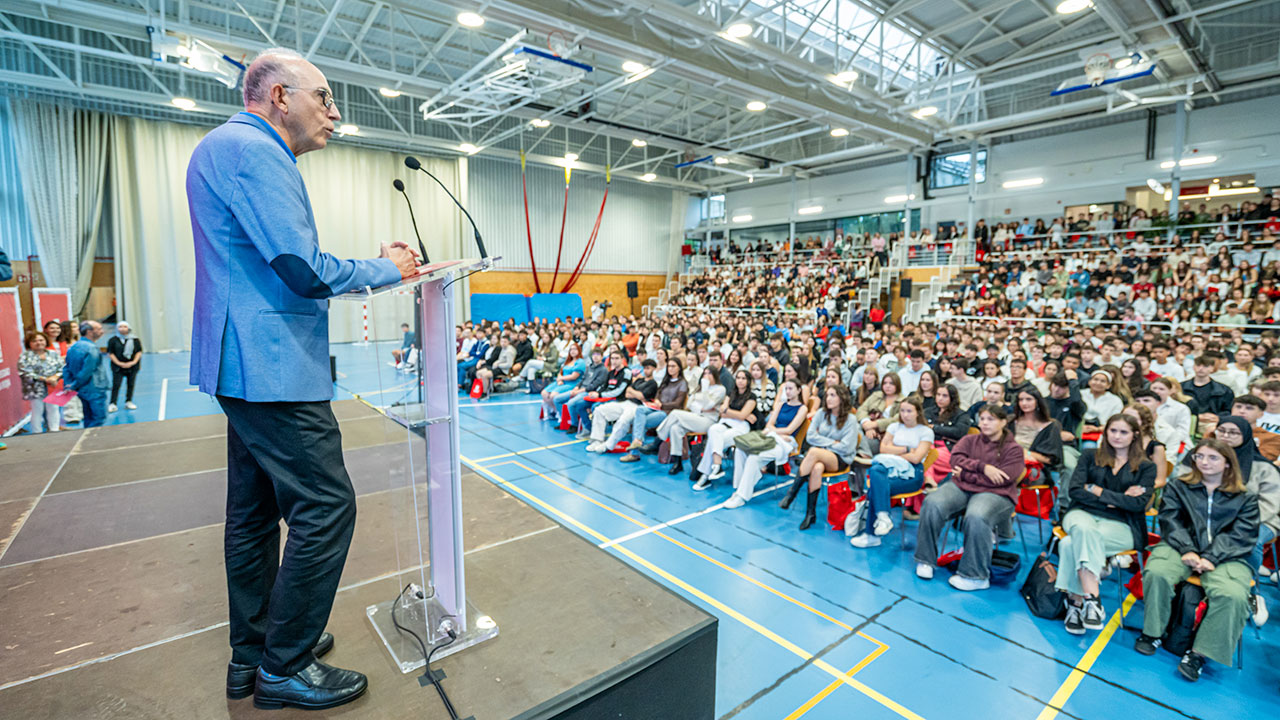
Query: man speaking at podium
pixel 260 345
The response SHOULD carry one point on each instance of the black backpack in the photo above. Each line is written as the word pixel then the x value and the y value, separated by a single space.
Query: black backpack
pixel 1042 598
pixel 1181 632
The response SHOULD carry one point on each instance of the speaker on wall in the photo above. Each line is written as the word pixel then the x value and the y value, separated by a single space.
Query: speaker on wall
pixel 904 288
pixel 633 289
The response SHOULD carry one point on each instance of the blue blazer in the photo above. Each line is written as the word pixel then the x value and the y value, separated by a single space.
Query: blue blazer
pixel 261 328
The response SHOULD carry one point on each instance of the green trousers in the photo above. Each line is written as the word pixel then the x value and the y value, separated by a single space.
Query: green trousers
pixel 1226 590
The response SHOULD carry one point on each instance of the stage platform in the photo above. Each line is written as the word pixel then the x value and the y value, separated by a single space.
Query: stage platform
pixel 113 597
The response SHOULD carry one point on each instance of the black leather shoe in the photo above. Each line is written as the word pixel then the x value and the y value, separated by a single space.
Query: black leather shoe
pixel 315 687
pixel 241 678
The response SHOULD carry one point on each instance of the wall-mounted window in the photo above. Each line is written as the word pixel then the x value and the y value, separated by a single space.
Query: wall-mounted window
pixel 953 170
pixel 713 208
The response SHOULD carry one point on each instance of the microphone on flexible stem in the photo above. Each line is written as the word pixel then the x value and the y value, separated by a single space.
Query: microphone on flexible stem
pixel 412 163
pixel 399 185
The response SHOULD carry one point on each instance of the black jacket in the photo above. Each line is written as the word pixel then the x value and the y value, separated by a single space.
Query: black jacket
pixel 1213 398
pixel 1068 411
pixel 1226 530
pixel 524 351
pixel 951 431
pixel 1113 504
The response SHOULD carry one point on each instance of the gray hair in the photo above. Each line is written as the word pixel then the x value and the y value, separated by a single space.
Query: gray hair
pixel 271 66
pixel 86 327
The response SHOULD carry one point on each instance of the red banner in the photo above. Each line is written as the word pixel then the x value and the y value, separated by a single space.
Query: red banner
pixel 51 304
pixel 12 407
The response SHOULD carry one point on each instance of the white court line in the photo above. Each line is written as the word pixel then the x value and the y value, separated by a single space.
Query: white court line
pixel 682 518
pixel 164 397
pixel 215 626
pixel 496 404
pixel 26 517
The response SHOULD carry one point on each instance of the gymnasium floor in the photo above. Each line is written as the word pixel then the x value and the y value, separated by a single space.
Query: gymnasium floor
pixel 810 627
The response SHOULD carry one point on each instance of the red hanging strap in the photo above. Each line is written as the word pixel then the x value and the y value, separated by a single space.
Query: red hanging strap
pixel 563 217
pixel 595 233
pixel 524 186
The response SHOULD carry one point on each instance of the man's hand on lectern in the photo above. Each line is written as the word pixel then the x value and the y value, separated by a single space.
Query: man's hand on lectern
pixel 405 258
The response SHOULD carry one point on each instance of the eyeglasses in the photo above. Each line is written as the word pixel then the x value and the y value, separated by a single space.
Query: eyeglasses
pixel 1223 432
pixel 1205 457
pixel 325 94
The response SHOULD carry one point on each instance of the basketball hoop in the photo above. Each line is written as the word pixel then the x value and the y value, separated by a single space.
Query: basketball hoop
pixel 558 44
pixel 1096 67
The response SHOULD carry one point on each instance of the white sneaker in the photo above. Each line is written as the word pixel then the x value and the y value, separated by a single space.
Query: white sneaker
pixel 596 447
pixel 882 525
pixel 1259 607
pixel 735 501
pixel 960 582
pixel 924 571
pixel 702 484
pixel 864 541
pixel 130 405
pixel 111 407
pixel 716 474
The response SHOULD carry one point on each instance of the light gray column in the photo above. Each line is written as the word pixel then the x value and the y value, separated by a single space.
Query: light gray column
pixel 1175 175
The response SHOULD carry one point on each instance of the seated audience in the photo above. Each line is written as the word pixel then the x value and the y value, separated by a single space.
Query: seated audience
pixel 784 421
pixel 897 468
pixel 737 413
pixel 833 440
pixel 702 411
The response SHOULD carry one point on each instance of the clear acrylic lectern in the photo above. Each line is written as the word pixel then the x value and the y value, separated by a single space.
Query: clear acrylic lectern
pixel 423 498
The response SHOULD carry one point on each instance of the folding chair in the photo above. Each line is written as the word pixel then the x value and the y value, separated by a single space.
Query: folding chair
pixel 1195 580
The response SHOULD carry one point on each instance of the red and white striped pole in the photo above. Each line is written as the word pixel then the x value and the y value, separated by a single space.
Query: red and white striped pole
pixel 364 319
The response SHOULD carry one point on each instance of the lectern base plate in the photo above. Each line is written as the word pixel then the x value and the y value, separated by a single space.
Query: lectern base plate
pixel 405 650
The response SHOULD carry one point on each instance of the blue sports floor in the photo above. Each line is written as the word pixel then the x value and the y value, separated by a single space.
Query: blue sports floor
pixel 809 626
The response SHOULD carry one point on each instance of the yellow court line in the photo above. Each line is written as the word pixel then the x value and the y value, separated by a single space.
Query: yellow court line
pixel 708 558
pixel 824 692
pixel 713 602
pixel 1059 699
pixel 525 452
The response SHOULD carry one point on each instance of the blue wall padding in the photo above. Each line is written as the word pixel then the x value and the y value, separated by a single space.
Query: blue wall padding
pixel 502 307
pixel 555 306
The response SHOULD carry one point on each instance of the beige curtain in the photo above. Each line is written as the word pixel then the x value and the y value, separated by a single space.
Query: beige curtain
pixel 62 156
pixel 355 207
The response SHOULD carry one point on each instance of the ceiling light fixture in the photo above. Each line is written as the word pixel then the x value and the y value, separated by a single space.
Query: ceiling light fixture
pixel 468 148
pixel 844 78
pixel 924 112
pixel 349 129
pixel 389 92
pixel 1188 162
pixel 470 19
pixel 811 210
pixel 1156 186
pixel 1023 183
pixel 571 157
pixel 1122 63
pixel 721 160
pixel 899 199
pixel 739 30
pixel 540 122
pixel 756 105
pixel 648 177
pixel 1070 7
pixel 839 132
pixel 184 103
pixel 639 143
pixel 742 218
pixel 632 66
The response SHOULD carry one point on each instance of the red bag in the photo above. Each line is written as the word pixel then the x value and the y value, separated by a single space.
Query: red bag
pixel 839 504
pixel 1028 499
pixel 477 389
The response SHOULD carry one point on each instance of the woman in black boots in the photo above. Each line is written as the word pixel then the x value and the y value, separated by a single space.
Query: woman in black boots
pixel 832 439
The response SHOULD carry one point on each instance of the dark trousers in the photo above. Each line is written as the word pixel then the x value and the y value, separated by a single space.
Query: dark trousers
pixel 284 460
pixel 93 402
pixel 120 376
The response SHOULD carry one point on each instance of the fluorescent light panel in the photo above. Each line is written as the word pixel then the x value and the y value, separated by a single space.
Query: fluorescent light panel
pixel 811 210
pixel 1023 183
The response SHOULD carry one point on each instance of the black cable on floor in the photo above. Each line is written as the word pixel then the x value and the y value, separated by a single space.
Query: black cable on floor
pixel 426 655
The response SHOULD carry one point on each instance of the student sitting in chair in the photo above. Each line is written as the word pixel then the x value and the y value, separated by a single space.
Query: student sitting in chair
pixel 784 421
pixel 1109 493
pixel 984 485
pixel 897 469
pixel 1209 524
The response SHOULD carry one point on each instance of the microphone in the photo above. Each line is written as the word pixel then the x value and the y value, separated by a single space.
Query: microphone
pixel 399 185
pixel 412 163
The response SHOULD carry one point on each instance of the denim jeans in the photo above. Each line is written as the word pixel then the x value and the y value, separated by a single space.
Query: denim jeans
pixel 982 511
pixel 463 367
pixel 576 406
pixel 1265 535
pixel 881 487
pixel 646 419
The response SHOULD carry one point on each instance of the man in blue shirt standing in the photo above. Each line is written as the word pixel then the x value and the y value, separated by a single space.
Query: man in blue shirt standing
pixel 260 345
pixel 86 372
